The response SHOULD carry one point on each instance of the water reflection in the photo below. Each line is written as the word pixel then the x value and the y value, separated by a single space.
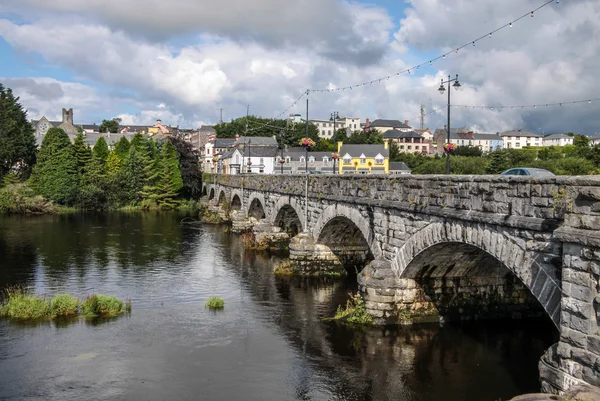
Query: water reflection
pixel 270 341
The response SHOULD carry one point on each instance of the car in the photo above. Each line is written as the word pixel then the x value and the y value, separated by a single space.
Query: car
pixel 528 171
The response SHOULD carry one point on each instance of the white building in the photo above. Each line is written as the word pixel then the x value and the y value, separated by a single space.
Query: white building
pixel 558 140
pixel 252 159
pixel 326 127
pixel 383 126
pixel 594 139
pixel 487 142
pixel 518 139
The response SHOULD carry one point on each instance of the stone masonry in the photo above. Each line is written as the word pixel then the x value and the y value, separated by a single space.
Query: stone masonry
pixel 444 247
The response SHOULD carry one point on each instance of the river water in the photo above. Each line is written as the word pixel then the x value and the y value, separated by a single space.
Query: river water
pixel 269 343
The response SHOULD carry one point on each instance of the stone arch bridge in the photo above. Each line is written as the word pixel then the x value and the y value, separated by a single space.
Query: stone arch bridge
pixel 436 247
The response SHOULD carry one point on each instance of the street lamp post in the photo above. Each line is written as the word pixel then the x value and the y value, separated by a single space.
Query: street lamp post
pixel 249 160
pixel 334 156
pixel 442 89
pixel 334 117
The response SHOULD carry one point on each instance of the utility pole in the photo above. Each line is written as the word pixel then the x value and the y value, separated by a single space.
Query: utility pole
pixel 246 130
pixel 422 116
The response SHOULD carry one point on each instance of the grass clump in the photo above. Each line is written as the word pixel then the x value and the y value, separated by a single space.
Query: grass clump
pixel 284 268
pixel 21 305
pixel 64 305
pixel 104 305
pixel 354 312
pixel 214 303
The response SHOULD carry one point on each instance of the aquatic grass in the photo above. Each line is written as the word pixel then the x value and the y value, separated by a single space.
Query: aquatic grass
pixel 104 305
pixel 64 305
pixel 215 303
pixel 20 304
pixel 355 312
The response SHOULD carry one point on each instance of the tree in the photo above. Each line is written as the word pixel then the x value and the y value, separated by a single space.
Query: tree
pixel 325 145
pixel 101 149
pixel 189 169
pixel 55 175
pixel 111 126
pixel 83 154
pixel 470 151
pixel 165 182
pixel 170 160
pixel 498 162
pixel 137 170
pixel 394 151
pixel 581 141
pixel 122 148
pixel 93 191
pixel 17 139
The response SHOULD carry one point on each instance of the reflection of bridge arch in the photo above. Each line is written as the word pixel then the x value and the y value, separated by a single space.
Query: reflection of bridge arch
pixel 286 213
pixel 434 250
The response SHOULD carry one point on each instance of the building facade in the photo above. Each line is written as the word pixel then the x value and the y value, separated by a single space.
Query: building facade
pixel 387 125
pixel 558 140
pixel 517 139
pixel 407 141
pixel 488 142
pixel 363 159
pixel 327 130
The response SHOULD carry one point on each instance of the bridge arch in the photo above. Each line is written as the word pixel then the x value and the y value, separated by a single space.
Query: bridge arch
pixel 204 190
pixel 211 195
pixel 339 216
pixel 429 253
pixel 222 199
pixel 256 206
pixel 287 214
pixel 236 202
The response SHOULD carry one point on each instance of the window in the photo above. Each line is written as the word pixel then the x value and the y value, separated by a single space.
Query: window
pixel 379 160
pixel 347 160
pixel 262 162
pixel 262 170
pixel 409 147
pixel 363 160
pixel 329 132
pixel 287 160
pixel 402 147
pixel 354 125
pixel 322 132
pixel 311 159
pixel 302 159
pixel 325 159
pixel 237 159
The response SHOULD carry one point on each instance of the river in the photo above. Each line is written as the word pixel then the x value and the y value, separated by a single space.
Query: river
pixel 269 343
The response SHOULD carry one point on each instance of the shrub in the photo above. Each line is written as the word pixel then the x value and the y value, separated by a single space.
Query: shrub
pixel 21 305
pixel 20 199
pixel 64 305
pixel 103 305
pixel 355 312
pixel 214 303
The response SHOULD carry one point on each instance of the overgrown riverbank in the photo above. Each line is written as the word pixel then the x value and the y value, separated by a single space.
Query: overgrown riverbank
pixel 20 304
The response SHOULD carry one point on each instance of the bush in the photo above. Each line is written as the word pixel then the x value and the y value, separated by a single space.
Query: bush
pixel 214 303
pixel 355 312
pixel 103 305
pixel 21 305
pixel 20 199
pixel 64 305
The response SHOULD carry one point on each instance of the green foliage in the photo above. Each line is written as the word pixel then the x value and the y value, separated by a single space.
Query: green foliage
pixel 64 305
pixel 325 145
pixel 111 126
pixel 21 199
pixel 17 139
pixel 354 312
pixel 469 151
pixel 189 169
pixel 581 141
pixel 214 303
pixel 93 192
pixel 24 306
pixel 103 305
pixel 122 148
pixel 458 165
pixel 367 137
pixel 101 149
pixel 164 182
pixel 83 153
pixel 498 162
pixel 55 175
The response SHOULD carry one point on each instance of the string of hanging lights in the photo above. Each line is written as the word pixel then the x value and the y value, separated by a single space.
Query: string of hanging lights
pixel 442 56
pixel 525 106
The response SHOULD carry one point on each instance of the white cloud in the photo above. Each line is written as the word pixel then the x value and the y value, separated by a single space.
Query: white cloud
pixel 225 64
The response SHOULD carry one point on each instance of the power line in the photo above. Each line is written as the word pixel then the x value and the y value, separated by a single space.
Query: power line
pixel 442 56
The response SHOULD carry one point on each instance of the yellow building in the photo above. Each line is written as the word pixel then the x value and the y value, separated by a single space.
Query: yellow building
pixel 363 159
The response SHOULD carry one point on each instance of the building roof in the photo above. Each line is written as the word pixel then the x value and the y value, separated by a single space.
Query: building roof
pixel 520 133
pixel 558 136
pixel 260 151
pixel 368 150
pixel 487 137
pixel 296 155
pixel 395 134
pixel 224 142
pixel 398 166
pixel 388 123
pixel 207 128
pixel 258 140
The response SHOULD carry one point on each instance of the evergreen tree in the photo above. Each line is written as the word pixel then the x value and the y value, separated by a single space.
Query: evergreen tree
pixel 137 171
pixel 113 164
pixel 111 126
pixel 189 169
pixel 170 160
pixel 394 151
pixel 93 191
pixel 122 148
pixel 138 141
pixel 17 139
pixel 101 149
pixel 55 176
pixel 82 152
pixel 161 191
pixel 498 162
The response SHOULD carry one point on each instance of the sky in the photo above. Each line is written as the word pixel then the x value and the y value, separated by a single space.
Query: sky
pixel 183 61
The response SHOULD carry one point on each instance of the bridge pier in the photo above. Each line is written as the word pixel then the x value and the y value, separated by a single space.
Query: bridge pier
pixel 270 237
pixel 307 257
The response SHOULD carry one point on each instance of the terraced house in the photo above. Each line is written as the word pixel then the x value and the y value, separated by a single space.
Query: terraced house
pixel 363 159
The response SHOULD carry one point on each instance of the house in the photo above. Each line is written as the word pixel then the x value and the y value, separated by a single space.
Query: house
pixel 251 159
pixel 387 125
pixel 488 142
pixel 111 139
pixel 215 147
pixel 133 129
pixel 398 168
pixel 517 139
pixel 200 137
pixel 159 128
pixel 407 141
pixel 425 133
pixel 363 159
pixel 42 126
pixel 326 127
pixel 594 139
pixel 458 136
pixel 296 162
pixel 557 140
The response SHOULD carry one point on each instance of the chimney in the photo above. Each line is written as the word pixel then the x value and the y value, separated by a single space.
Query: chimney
pixel 367 122
pixel 158 122
pixel 405 122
